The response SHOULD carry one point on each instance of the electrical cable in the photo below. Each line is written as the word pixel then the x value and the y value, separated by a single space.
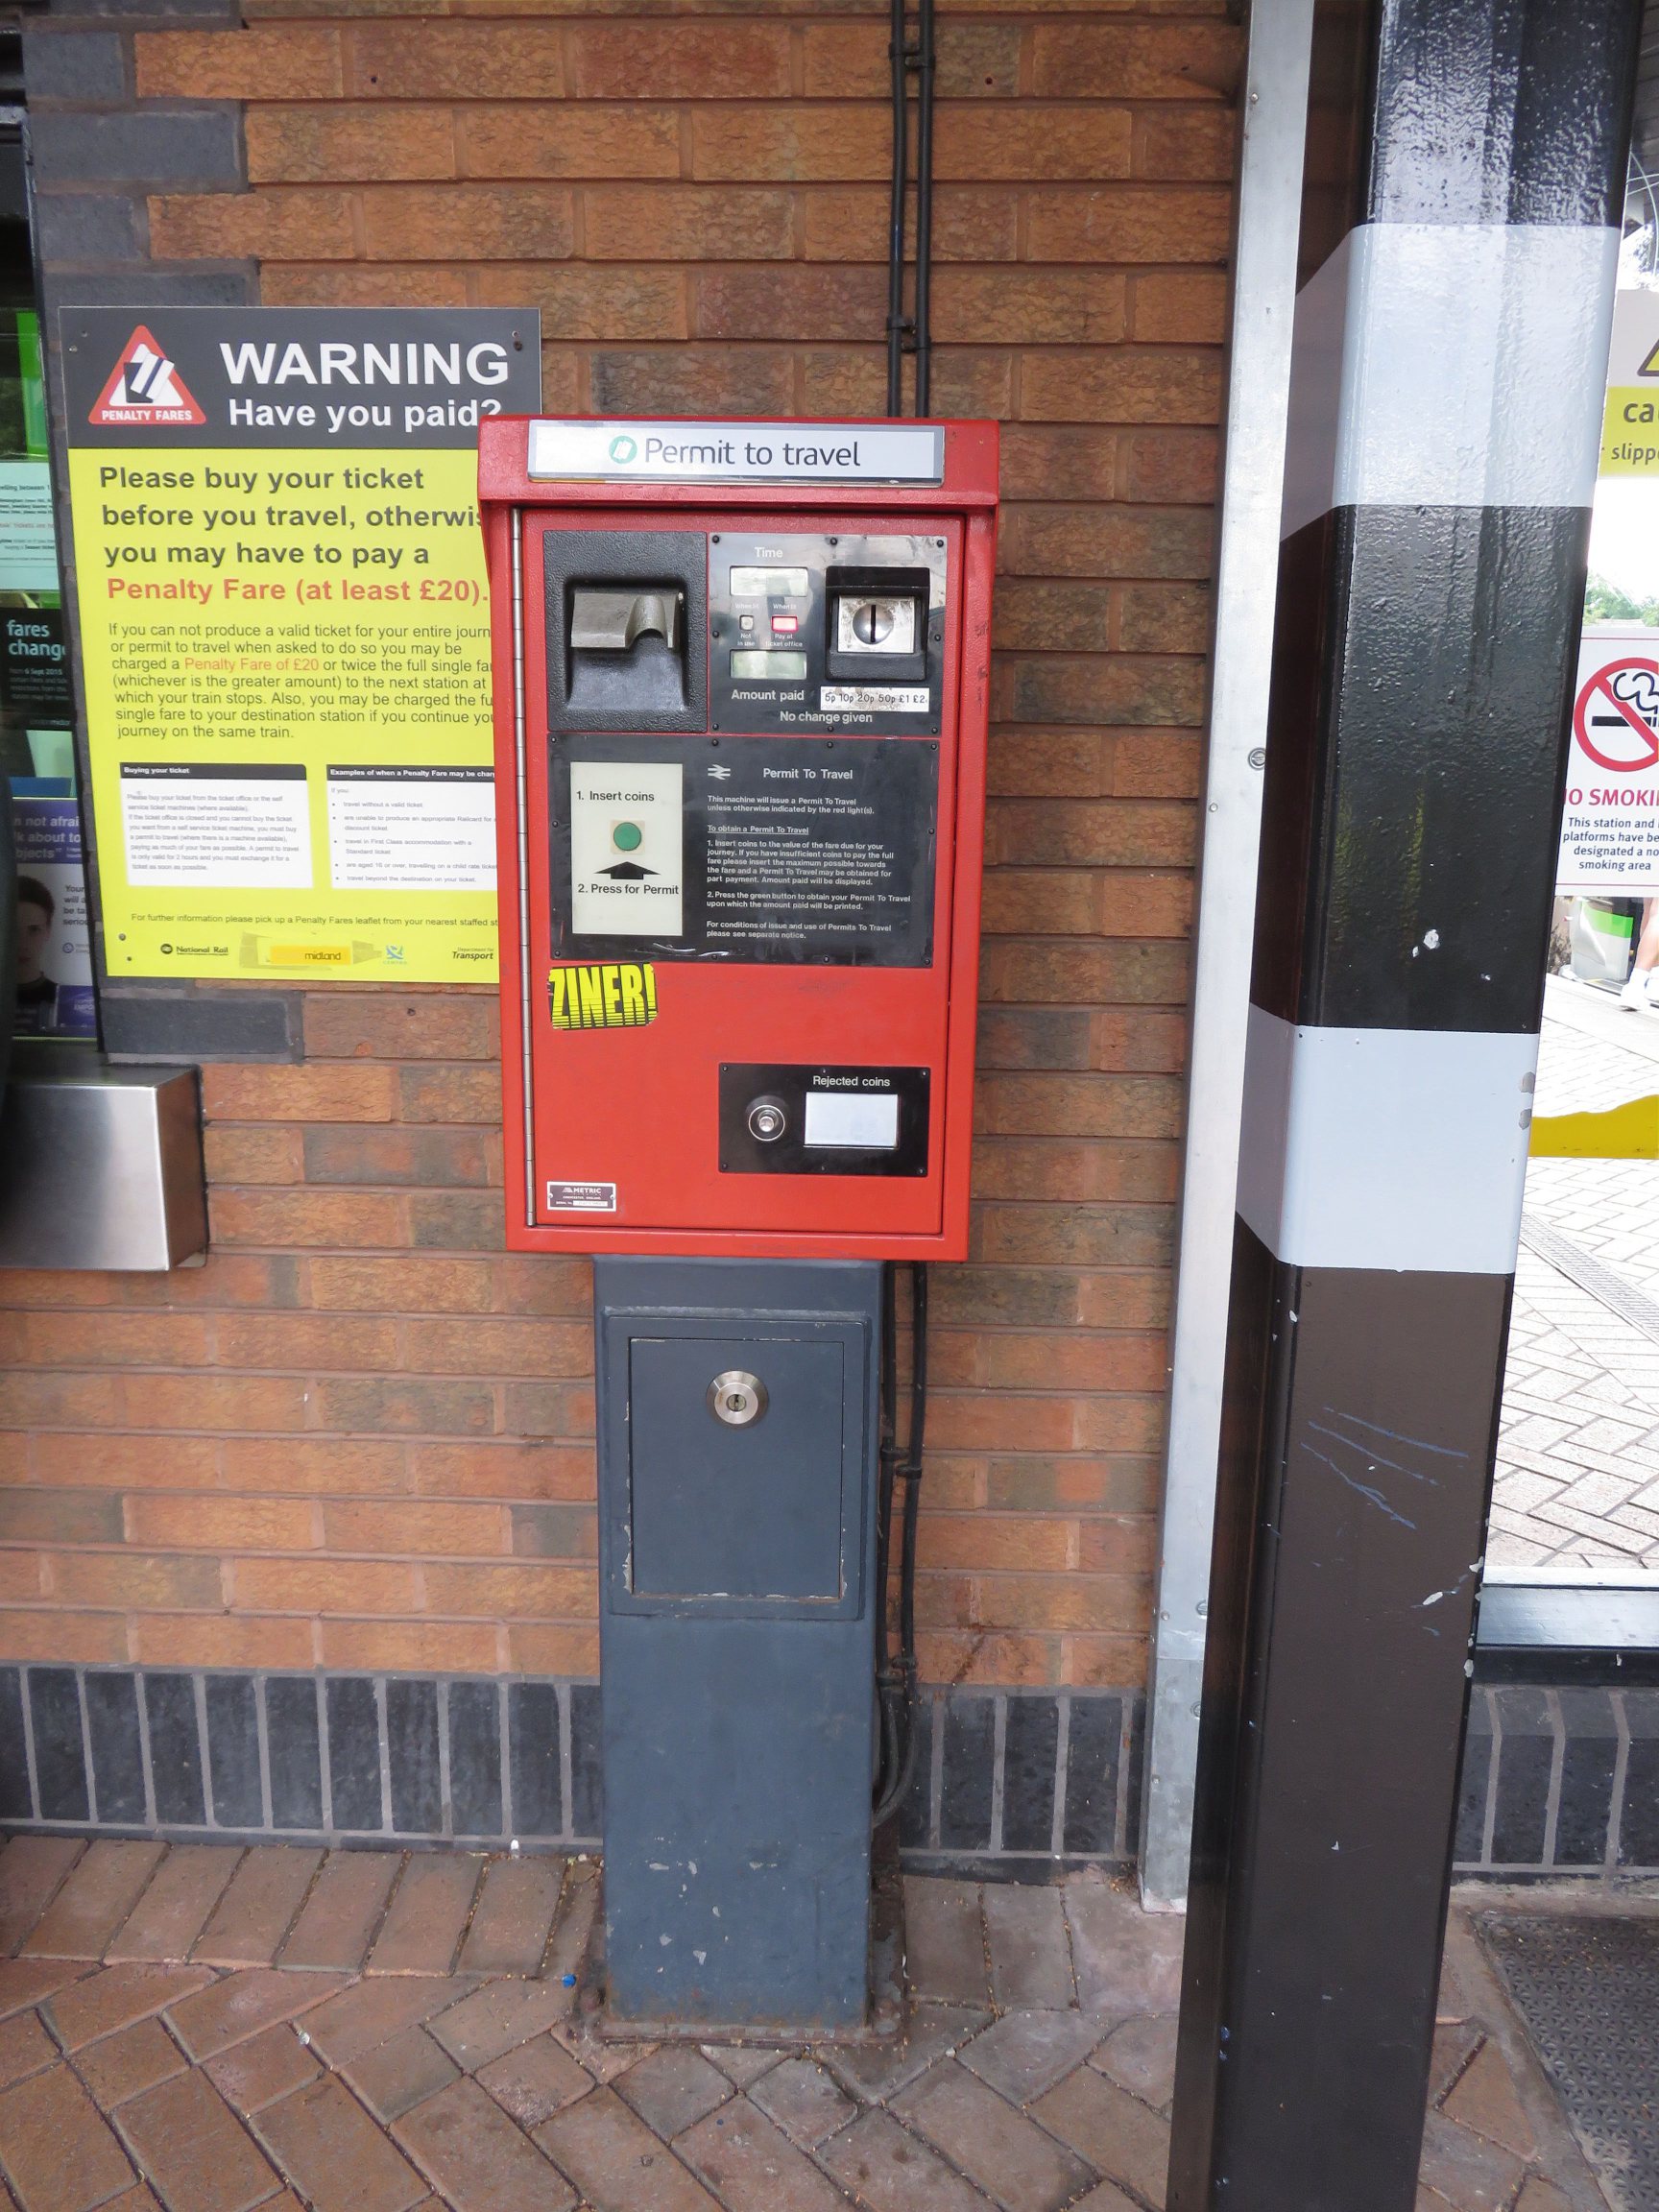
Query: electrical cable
pixel 897 328
pixel 922 333
pixel 897 1686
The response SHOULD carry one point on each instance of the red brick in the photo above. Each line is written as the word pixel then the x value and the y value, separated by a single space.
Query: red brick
pixel 395 1531
pixel 370 2013
pixel 173 1912
pixel 467 1093
pixel 970 1540
pixel 324 1586
pixel 519 1591
pixel 410 1646
pixel 1185 143
pixel 1185 308
pixel 257 1909
pixel 525 140
pixel 224 1280
pixel 342 284
pixel 57 2149
pixel 412 1283
pixel 604 2149
pixel 25 2048
pixel 220 1640
pixel 276 223
pixel 1174 465
pixel 129 1579
pixel 513 1916
pixel 32 1868
pixel 468 2148
pixel 497 1347
pixel 220 1525
pixel 339 143
pixel 506 1469
pixel 786 303
pixel 329 1094
pixel 406 1406
pixel 678 61
pixel 1127 222
pixel 1132 384
pixel 324 1218
pixel 422 1157
pixel 253 1155
pixel 1097 541
pixel 244 2004
pixel 268 2066
pixel 342 1914
pixel 324 1464
pixel 1029 307
pixel 104 2004
pixel 541 1647
pixel 65 1639
pixel 1078 1236
pixel 129 2062
pixel 335 2154
pixel 188 2143
pixel 304 1341
pixel 1135 60
pixel 973 142
pixel 393 1025
pixel 60 1517
pixel 425 1919
pixel 687 381
pixel 274 61
pixel 685 222
pixel 766 145
pixel 98 1895
pixel 425 59
pixel 612 303
pixel 467 222
pixel 1071 833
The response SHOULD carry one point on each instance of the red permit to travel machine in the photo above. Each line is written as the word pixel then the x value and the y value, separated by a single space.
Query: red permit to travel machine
pixel 742 673
pixel 740 676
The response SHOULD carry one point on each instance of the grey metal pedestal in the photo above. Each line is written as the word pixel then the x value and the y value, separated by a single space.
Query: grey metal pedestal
pixel 736 1638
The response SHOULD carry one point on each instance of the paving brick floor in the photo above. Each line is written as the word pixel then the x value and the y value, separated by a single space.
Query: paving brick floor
pixel 1577 1482
pixel 210 2030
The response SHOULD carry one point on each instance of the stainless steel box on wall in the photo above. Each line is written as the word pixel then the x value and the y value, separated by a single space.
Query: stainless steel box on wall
pixel 737 1440
pixel 100 1167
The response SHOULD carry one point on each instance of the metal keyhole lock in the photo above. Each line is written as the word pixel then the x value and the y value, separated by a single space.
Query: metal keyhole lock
pixel 737 1397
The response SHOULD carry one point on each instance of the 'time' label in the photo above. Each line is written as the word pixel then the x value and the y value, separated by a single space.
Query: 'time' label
pixel 627 847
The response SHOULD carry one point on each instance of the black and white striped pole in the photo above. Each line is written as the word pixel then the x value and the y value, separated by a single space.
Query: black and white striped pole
pixel 1462 196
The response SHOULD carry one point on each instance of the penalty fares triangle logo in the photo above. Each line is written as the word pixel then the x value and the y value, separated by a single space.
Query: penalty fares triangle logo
pixel 145 391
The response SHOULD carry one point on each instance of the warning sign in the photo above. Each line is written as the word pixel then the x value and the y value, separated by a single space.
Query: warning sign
pixel 1610 824
pixel 609 995
pixel 144 391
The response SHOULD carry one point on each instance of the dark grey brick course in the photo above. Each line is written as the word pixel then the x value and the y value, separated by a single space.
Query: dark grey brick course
pixel 86 66
pixel 210 1026
pixel 196 149
pixel 74 226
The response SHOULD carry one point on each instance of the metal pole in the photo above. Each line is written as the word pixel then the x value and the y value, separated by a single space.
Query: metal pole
pixel 1275 114
pixel 1457 253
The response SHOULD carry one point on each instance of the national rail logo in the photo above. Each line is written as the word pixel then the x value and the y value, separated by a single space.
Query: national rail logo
pixel 144 391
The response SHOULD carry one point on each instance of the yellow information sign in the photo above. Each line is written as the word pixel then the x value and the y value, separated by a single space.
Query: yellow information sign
pixel 285 635
pixel 1630 419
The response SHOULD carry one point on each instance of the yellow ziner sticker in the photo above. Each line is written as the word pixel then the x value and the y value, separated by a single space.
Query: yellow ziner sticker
pixel 614 995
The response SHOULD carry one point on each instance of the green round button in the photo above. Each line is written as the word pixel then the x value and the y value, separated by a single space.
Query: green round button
pixel 627 836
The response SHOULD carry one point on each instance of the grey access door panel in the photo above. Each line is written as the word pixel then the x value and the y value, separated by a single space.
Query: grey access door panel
pixel 737 1642
pixel 751 1512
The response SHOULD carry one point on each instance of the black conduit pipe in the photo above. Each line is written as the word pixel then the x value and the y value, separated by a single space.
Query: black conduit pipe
pixel 897 325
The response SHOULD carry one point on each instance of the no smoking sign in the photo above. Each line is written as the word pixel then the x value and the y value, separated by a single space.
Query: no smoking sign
pixel 1616 718
pixel 1610 820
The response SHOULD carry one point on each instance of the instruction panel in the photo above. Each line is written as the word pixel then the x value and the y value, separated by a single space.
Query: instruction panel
pixel 805 850
pixel 285 633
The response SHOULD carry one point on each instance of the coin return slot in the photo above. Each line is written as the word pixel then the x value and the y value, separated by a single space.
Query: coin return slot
pixel 852 1121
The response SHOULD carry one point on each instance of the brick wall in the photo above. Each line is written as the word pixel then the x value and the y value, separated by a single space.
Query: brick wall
pixel 360 1436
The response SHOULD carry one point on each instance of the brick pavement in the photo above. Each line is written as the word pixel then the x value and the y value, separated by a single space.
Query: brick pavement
pixel 1577 1482
pixel 209 2030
